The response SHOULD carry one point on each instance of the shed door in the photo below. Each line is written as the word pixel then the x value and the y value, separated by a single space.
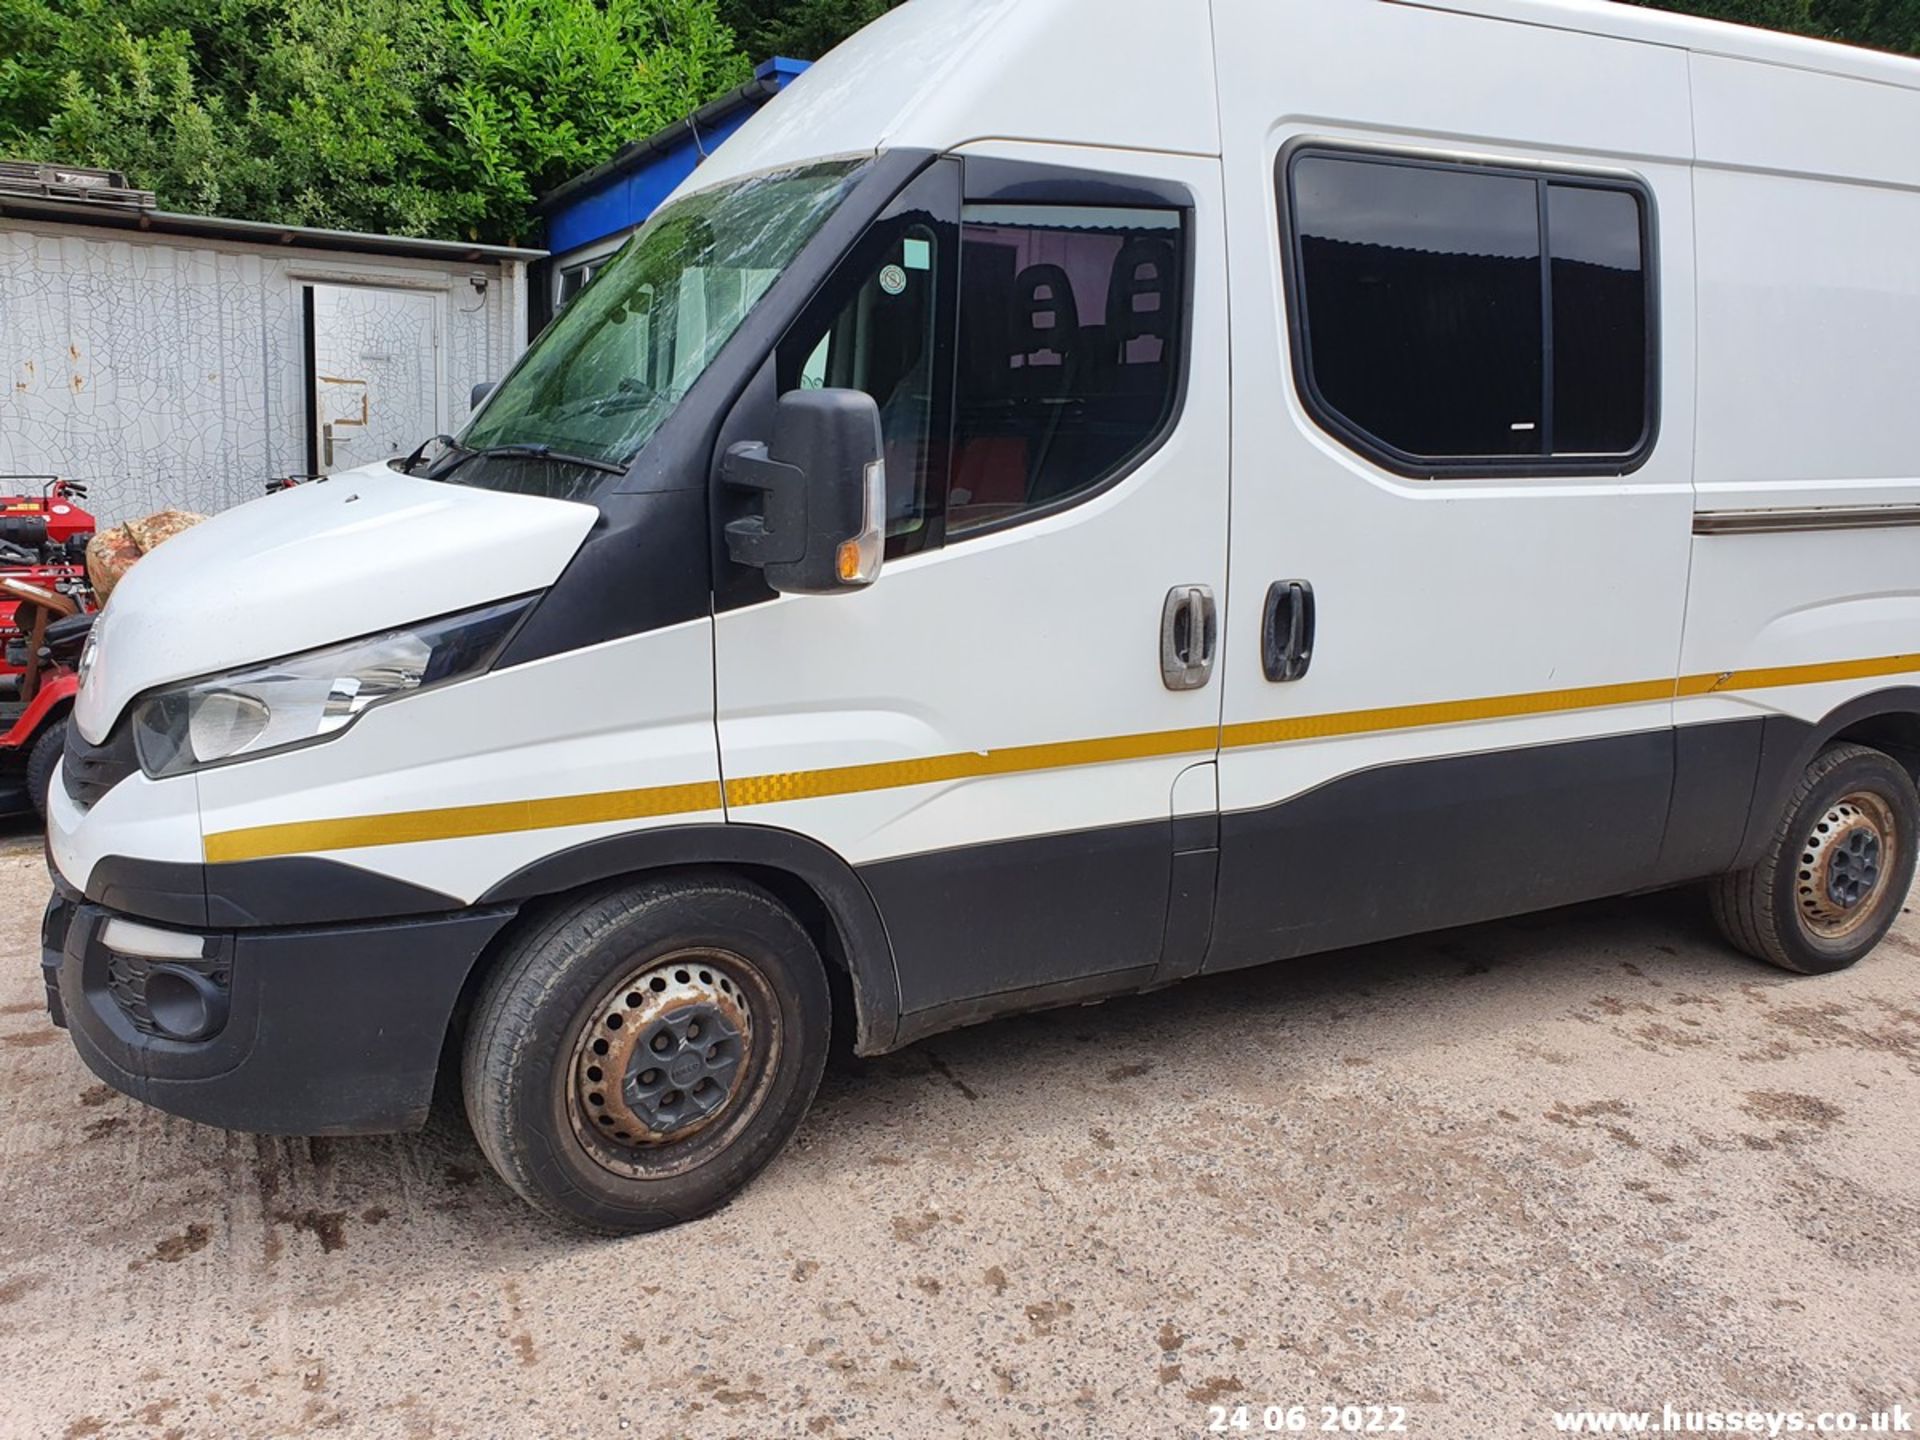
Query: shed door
pixel 373 372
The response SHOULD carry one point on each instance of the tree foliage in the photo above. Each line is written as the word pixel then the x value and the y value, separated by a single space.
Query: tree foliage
pixel 543 89
pixel 419 117
pixel 448 117
pixel 1887 24
pixel 801 29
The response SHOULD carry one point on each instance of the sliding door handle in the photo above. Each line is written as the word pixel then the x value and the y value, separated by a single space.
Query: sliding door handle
pixel 1286 630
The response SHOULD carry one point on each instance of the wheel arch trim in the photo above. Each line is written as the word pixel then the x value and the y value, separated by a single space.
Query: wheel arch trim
pixel 864 948
pixel 1788 746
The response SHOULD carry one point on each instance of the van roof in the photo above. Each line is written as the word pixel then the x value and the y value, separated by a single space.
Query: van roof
pixel 938 73
pixel 1690 32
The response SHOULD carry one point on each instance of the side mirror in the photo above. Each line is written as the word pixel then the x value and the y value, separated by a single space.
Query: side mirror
pixel 822 488
pixel 479 393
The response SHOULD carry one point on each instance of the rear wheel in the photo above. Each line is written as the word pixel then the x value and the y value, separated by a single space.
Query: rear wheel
pixel 639 1055
pixel 1835 871
pixel 41 760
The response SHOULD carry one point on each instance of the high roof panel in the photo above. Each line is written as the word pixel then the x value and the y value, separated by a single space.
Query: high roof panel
pixel 937 74
pixel 1689 32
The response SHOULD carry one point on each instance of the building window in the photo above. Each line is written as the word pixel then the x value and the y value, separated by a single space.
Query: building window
pixel 573 280
pixel 1463 319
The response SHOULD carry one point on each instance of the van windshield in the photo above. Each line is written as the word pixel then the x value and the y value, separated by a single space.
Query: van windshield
pixel 608 371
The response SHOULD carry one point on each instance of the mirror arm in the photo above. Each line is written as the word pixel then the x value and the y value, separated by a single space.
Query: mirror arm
pixel 777 534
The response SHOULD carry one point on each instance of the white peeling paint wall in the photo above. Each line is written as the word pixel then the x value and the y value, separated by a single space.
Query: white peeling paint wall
pixel 169 371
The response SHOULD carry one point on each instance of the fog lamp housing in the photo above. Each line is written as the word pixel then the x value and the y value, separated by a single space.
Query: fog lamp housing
pixel 184 1004
pixel 171 984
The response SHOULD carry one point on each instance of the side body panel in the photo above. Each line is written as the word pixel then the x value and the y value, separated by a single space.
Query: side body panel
pixel 1809 221
pixel 985 734
pixel 1485 724
pixel 455 789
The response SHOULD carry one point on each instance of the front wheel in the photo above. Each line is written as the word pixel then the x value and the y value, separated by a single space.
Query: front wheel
pixel 1835 871
pixel 639 1055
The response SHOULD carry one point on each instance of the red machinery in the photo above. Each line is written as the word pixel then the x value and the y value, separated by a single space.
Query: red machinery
pixel 43 540
pixel 43 582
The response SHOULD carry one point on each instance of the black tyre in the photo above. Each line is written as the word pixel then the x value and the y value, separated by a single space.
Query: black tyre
pixel 41 760
pixel 638 1055
pixel 1836 870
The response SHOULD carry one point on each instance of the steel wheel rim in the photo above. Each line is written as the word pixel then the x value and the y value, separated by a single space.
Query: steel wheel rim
pixel 1846 865
pixel 644 1109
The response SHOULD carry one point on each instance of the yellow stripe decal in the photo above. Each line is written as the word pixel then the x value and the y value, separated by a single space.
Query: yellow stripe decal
pixel 1443 712
pixel 461 822
pixel 1768 679
pixel 968 765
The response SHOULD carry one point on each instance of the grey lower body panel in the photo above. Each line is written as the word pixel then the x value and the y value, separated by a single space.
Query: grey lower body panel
pixel 1059 919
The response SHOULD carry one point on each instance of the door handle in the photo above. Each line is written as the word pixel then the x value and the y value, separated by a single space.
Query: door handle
pixel 1187 635
pixel 1286 630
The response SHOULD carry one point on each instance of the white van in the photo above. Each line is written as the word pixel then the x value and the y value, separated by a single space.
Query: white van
pixel 1074 496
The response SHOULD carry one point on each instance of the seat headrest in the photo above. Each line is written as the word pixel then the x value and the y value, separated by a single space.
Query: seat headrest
pixel 1044 290
pixel 1143 267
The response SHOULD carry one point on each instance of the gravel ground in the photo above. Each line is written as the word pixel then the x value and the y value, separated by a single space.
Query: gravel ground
pixel 1589 1158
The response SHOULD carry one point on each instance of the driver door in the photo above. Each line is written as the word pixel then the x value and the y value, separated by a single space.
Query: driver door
pixel 994 733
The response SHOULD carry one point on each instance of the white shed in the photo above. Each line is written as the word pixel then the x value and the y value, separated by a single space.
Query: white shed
pixel 185 360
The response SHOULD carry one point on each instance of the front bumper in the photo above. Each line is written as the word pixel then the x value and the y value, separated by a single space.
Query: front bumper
pixel 327 1030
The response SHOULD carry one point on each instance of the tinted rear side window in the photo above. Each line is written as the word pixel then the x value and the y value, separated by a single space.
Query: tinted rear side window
pixel 1467 319
pixel 1422 292
pixel 1599 320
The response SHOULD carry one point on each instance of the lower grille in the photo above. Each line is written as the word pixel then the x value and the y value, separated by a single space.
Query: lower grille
pixel 127 983
pixel 89 771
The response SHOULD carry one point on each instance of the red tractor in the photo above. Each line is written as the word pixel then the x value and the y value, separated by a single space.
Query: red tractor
pixel 46 605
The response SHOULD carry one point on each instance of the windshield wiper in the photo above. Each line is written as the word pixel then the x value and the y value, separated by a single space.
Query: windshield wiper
pixel 406 465
pixel 532 452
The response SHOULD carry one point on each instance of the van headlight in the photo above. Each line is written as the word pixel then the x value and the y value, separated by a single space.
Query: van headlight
pixel 305 698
